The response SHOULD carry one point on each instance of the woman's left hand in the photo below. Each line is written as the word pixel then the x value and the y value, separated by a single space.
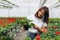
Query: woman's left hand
pixel 44 30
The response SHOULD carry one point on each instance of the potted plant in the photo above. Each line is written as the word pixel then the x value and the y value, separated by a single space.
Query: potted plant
pixel 24 22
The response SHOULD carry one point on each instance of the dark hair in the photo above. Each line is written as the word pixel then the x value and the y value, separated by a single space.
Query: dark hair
pixel 46 14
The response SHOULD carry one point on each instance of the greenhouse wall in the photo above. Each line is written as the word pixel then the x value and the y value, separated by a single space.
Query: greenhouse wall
pixel 29 7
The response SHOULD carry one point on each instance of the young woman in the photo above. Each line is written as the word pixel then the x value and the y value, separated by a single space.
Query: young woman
pixel 40 21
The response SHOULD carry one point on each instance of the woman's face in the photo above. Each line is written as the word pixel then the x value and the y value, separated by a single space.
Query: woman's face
pixel 41 13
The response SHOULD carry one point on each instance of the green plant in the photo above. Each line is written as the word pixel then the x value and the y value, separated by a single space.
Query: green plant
pixel 23 21
pixel 27 38
pixel 6 38
pixel 51 35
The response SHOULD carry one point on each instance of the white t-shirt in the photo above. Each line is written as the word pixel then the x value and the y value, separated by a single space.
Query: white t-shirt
pixel 36 21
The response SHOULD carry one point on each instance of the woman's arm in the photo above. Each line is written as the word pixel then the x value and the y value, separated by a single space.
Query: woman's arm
pixel 43 29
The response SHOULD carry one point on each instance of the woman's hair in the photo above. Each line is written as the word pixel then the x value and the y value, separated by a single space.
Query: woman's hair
pixel 46 13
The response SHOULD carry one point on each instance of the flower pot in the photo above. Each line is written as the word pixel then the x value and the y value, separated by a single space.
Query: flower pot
pixel 26 27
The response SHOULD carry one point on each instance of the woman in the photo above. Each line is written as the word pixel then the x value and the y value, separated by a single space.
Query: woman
pixel 40 21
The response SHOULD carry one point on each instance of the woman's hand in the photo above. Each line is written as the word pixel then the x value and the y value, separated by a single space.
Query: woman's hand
pixel 35 26
pixel 44 30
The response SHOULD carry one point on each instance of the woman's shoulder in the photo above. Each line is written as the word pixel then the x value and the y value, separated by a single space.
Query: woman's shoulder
pixel 31 17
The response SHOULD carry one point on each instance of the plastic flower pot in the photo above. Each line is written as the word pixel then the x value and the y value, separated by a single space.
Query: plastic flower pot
pixel 26 27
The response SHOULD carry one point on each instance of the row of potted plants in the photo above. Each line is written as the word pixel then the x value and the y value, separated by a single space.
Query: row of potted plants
pixel 53 30
pixel 7 31
pixel 26 23
pixel 13 25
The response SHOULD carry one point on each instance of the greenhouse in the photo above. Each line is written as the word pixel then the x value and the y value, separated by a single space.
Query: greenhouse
pixel 29 19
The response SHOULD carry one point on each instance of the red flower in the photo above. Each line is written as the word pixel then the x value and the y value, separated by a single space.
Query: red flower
pixel 3 24
pixel 54 27
pixel 57 33
pixel 38 37
pixel 11 20
pixel 8 22
pixel 1 21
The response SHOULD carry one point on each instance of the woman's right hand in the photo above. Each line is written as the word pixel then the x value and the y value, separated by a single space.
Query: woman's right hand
pixel 44 30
